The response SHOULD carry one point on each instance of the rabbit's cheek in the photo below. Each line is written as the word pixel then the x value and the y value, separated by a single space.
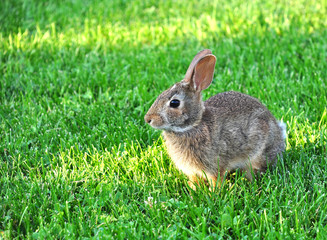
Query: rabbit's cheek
pixel 176 117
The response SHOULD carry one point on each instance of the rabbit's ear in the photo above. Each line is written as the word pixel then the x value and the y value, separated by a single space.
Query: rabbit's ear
pixel 190 70
pixel 203 72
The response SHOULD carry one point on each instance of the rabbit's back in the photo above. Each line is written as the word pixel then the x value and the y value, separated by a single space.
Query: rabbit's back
pixel 234 102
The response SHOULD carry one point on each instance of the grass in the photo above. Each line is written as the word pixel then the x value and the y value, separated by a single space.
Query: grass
pixel 77 77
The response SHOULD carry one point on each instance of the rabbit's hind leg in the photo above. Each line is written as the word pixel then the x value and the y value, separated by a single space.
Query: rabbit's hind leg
pixel 256 166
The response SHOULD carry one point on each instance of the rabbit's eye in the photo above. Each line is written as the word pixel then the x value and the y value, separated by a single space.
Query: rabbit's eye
pixel 174 103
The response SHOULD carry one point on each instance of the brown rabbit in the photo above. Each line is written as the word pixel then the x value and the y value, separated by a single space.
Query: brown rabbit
pixel 229 131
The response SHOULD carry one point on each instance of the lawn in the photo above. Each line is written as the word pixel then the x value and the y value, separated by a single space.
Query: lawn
pixel 77 160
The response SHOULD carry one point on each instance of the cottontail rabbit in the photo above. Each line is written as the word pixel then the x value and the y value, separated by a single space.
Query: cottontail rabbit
pixel 229 131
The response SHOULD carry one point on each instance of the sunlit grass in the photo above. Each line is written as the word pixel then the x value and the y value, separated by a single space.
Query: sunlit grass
pixel 157 23
pixel 77 160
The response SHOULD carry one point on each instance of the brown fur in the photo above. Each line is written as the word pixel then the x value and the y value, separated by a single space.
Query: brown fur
pixel 229 131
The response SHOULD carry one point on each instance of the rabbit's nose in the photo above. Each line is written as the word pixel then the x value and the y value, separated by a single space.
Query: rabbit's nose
pixel 147 119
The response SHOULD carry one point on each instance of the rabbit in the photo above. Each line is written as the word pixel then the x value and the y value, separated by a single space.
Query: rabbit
pixel 206 139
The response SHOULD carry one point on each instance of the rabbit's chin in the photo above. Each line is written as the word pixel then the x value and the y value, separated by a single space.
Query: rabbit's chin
pixel 170 128
pixel 178 129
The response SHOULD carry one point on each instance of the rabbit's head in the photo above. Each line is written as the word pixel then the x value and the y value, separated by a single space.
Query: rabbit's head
pixel 180 108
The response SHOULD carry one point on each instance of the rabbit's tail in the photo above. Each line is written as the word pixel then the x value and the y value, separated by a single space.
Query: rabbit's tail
pixel 282 127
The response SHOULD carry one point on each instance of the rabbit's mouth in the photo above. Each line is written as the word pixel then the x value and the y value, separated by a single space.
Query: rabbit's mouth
pixel 154 121
pixel 161 122
pixel 157 123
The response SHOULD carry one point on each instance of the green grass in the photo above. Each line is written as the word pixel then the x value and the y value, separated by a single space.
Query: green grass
pixel 77 77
